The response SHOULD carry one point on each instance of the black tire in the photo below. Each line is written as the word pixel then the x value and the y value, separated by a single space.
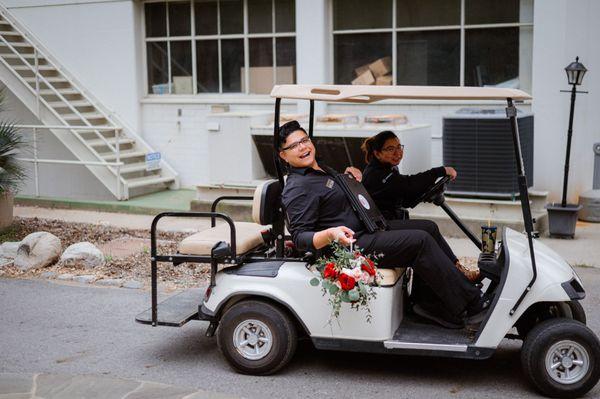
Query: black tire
pixel 251 313
pixel 540 342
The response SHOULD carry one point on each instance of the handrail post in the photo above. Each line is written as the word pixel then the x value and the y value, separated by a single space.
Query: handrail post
pixel 36 164
pixel 37 83
pixel 117 134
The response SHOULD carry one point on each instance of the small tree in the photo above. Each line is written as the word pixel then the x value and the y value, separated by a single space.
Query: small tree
pixel 12 173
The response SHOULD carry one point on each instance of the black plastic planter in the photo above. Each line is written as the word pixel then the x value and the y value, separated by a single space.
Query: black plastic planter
pixel 562 220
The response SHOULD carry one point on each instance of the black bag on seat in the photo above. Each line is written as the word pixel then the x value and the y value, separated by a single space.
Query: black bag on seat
pixel 361 201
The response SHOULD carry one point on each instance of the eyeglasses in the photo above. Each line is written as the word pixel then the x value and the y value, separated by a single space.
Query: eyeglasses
pixel 295 145
pixel 393 148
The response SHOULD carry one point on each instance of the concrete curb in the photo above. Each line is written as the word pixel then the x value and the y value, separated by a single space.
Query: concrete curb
pixel 59 386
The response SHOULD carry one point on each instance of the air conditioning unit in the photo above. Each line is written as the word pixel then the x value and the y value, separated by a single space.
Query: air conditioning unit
pixel 478 144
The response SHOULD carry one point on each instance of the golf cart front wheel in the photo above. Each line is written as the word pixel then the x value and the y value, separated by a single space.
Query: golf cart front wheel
pixel 561 357
pixel 256 337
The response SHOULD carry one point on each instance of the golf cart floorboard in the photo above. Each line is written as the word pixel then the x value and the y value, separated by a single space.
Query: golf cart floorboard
pixel 176 310
pixel 413 329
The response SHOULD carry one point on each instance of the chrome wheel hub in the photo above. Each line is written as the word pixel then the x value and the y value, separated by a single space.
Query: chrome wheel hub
pixel 252 339
pixel 567 362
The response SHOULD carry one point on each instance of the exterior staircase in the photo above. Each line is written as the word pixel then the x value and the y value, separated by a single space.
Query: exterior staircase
pixel 114 153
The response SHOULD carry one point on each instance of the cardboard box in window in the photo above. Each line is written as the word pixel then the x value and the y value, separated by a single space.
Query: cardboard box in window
pixel 182 85
pixel 361 69
pixel 345 119
pixel 381 67
pixel 366 78
pixel 261 78
pixel 383 80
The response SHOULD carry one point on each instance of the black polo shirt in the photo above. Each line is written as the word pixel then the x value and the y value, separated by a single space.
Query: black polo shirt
pixel 390 190
pixel 314 202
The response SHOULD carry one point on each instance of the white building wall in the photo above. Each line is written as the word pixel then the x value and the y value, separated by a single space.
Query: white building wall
pixel 97 41
pixel 564 29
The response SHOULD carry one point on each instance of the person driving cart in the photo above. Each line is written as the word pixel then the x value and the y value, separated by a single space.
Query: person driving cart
pixel 319 213
pixel 393 192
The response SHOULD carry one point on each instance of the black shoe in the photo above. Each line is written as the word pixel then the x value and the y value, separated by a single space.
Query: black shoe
pixel 443 321
pixel 477 312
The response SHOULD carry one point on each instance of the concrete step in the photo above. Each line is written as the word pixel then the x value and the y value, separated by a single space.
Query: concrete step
pixel 74 103
pixel 148 181
pixel 15 44
pixel 133 167
pixel 111 156
pixel 50 79
pixel 86 115
pixel 111 141
pixel 5 32
pixel 40 67
pixel 62 91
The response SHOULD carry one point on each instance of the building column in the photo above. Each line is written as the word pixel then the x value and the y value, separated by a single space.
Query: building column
pixel 312 47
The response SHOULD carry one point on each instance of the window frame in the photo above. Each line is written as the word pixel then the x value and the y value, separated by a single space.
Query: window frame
pixel 394 30
pixel 193 38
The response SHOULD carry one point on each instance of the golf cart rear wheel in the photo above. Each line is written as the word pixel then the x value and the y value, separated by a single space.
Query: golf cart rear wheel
pixel 561 358
pixel 257 337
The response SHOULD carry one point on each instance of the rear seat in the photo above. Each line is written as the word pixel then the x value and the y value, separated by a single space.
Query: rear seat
pixel 247 235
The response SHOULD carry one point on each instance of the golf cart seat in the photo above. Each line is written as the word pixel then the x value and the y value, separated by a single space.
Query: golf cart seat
pixel 248 236
pixel 391 276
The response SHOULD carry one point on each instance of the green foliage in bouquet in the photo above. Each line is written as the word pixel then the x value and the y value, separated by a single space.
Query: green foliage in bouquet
pixel 347 276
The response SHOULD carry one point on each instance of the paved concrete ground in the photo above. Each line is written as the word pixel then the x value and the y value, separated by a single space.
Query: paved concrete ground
pixel 59 386
pixel 67 329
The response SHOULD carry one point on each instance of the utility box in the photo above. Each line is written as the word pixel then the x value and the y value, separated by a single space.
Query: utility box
pixel 590 200
pixel 478 143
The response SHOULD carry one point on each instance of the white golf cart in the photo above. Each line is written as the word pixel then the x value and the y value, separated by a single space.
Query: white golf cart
pixel 259 301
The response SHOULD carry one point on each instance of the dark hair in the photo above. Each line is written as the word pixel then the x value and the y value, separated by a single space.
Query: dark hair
pixel 375 143
pixel 288 128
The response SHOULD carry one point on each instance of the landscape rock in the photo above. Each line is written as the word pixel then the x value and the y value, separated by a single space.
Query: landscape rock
pixel 5 262
pixel 82 253
pixel 38 250
pixel 133 284
pixel 85 279
pixel 8 250
pixel 65 276
pixel 48 275
pixel 113 282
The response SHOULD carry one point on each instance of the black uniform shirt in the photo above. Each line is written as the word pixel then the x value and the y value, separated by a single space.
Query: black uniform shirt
pixel 390 190
pixel 315 202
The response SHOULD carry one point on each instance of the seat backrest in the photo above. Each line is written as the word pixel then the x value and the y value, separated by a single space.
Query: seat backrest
pixel 266 204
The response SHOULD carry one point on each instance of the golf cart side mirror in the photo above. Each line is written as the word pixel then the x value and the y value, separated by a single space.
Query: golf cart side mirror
pixel 220 250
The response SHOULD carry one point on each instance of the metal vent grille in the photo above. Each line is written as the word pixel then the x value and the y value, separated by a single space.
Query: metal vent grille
pixel 479 146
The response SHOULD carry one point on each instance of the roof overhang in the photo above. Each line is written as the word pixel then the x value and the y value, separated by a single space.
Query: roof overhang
pixel 369 94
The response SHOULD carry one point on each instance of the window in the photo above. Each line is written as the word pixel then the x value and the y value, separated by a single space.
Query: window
pixel 433 42
pixel 219 46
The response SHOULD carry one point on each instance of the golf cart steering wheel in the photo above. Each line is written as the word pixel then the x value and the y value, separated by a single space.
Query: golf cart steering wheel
pixel 435 194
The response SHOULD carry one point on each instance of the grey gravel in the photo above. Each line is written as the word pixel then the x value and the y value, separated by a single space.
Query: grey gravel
pixel 85 279
pixel 113 282
pixel 133 284
pixel 65 276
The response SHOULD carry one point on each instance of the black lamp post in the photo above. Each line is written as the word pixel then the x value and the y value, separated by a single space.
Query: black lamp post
pixel 562 219
pixel 575 72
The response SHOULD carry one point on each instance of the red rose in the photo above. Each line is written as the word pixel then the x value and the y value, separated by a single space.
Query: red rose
pixel 347 282
pixel 368 267
pixel 330 271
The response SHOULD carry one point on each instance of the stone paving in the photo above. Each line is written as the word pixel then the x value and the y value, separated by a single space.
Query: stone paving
pixel 58 386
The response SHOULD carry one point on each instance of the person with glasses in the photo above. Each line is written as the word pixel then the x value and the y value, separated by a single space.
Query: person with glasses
pixel 392 190
pixel 318 213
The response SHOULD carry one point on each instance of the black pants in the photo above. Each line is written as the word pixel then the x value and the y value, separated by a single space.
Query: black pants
pixel 419 250
pixel 429 227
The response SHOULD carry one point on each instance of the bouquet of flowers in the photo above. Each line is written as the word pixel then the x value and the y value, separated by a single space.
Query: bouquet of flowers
pixel 347 276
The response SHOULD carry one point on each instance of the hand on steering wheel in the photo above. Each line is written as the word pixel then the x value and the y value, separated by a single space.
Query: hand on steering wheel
pixel 429 195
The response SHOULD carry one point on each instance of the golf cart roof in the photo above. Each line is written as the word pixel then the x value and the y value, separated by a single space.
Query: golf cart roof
pixel 369 94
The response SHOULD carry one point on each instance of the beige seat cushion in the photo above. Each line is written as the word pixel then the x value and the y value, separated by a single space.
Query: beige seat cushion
pixel 391 276
pixel 247 237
